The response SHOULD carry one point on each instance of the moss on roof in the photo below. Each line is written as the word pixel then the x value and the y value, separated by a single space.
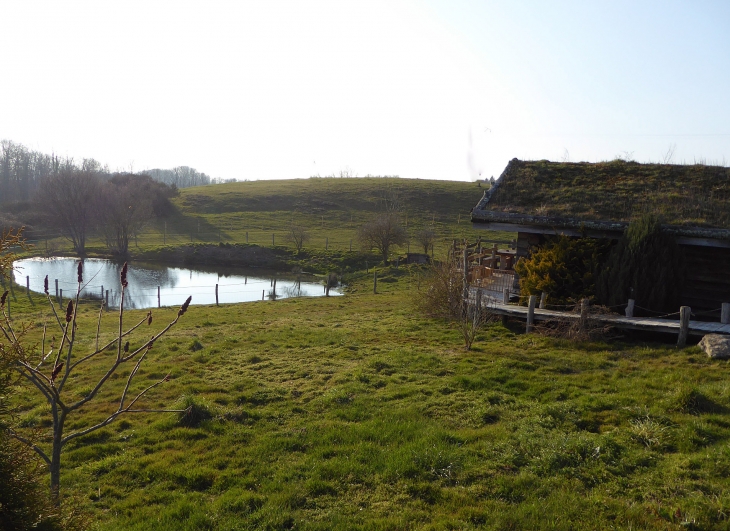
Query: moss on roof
pixel 686 196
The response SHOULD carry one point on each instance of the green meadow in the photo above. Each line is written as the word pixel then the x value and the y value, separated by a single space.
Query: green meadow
pixel 357 412
pixel 331 209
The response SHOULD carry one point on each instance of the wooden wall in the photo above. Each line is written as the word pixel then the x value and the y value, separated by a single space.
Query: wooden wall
pixel 708 278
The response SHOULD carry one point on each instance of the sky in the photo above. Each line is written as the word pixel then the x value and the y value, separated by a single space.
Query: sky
pixel 425 89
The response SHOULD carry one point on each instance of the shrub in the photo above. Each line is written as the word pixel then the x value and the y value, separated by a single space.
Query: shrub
pixel 646 265
pixel 564 268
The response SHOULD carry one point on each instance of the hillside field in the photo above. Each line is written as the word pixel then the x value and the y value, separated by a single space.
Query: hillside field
pixel 332 210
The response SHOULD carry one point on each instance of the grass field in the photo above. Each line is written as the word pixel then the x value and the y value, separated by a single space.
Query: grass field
pixel 332 209
pixel 357 413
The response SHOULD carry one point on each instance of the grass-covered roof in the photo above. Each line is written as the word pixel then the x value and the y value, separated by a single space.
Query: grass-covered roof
pixel 681 195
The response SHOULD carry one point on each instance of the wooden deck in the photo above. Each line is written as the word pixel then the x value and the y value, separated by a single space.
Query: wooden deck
pixel 493 302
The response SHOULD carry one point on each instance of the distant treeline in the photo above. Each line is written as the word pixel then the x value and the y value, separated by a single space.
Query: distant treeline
pixel 22 170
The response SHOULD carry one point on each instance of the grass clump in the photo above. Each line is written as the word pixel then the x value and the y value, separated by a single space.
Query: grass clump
pixel 193 411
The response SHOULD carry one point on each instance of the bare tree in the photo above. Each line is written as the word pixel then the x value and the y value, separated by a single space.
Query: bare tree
pixel 68 200
pixel 382 233
pixel 50 372
pixel 126 207
pixel 298 235
pixel 426 238
pixel 446 297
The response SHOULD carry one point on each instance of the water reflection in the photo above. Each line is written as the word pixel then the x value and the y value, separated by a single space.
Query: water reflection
pixel 147 282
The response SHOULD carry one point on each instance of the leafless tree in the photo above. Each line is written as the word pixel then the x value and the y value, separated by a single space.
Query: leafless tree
pixel 382 233
pixel 426 238
pixel 68 201
pixel 446 298
pixel 125 208
pixel 298 235
pixel 50 371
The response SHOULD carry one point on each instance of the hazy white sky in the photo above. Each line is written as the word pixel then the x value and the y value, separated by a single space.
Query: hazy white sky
pixel 431 89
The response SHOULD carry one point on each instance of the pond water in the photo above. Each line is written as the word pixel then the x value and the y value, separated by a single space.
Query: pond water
pixel 175 284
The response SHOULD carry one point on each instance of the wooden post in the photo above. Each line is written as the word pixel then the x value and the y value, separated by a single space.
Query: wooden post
pixel 246 236
pixel 272 239
pixel 725 313
pixel 466 265
pixel 262 294
pixel 56 289
pixel 375 281
pixel 543 300
pixel 505 296
pixel 584 304
pixel 630 308
pixel 106 302
pixel 102 292
pixel 158 296
pixel 531 313
pixel 27 283
pixel 274 288
pixel 684 315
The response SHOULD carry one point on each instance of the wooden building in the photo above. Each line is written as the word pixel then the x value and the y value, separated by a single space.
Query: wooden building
pixel 537 199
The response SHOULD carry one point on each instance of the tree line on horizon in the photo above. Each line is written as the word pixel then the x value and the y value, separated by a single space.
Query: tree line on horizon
pixel 22 170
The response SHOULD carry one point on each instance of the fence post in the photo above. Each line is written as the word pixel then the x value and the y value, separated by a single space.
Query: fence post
pixel 216 294
pixel 543 300
pixel 106 303
pixel 246 236
pixel 375 281
pixel 272 239
pixel 158 296
pixel 263 291
pixel 102 292
pixel 56 289
pixel 630 308
pixel 531 313
pixel 584 304
pixel 725 313
pixel 27 283
pixel 684 315
pixel 505 296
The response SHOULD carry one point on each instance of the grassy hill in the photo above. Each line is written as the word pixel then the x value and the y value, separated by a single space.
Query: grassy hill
pixel 357 413
pixel 332 210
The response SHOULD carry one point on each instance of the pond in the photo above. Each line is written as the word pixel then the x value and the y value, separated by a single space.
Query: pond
pixel 174 284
